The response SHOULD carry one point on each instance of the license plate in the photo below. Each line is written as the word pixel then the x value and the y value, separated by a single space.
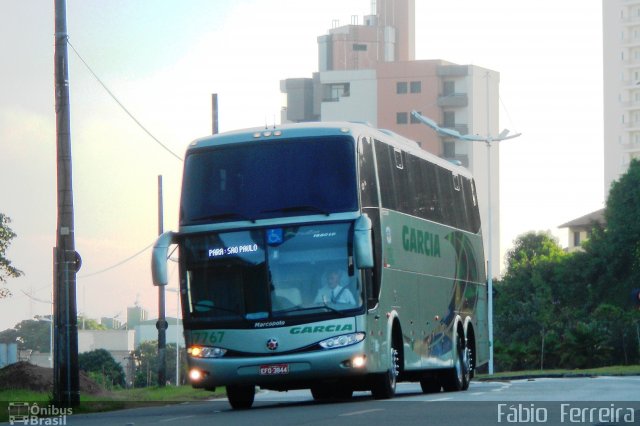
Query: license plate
pixel 274 369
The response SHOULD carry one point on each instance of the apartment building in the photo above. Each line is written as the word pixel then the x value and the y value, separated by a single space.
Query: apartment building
pixel 368 72
pixel 621 72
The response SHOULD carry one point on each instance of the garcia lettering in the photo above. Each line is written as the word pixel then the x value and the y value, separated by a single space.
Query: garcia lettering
pixel 421 242
pixel 321 328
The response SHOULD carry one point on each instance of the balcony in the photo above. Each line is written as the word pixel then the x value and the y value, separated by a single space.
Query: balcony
pixel 630 105
pixel 462 160
pixel 634 126
pixel 463 129
pixel 454 100
pixel 453 71
pixel 630 20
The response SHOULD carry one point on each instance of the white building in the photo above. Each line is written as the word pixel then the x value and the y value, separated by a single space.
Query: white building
pixel 146 331
pixel 621 59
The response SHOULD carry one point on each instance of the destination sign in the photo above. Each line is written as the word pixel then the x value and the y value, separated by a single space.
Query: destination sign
pixel 232 250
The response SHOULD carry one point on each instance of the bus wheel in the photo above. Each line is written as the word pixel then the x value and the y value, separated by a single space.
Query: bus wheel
pixel 241 396
pixel 457 378
pixel 384 385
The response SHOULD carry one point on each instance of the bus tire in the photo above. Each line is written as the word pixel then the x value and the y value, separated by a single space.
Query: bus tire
pixel 384 385
pixel 241 396
pixel 457 378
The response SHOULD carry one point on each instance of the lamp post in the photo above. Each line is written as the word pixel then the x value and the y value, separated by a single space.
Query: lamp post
pixel 488 140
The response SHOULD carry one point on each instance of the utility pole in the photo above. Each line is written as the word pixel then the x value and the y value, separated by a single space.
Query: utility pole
pixel 66 379
pixel 214 114
pixel 161 325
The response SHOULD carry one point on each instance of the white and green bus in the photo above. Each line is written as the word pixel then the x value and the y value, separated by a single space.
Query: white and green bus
pixel 327 256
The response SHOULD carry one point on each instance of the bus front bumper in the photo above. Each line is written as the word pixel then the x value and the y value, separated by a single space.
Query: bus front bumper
pixel 285 371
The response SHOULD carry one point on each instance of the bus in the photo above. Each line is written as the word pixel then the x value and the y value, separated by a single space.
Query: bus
pixel 334 257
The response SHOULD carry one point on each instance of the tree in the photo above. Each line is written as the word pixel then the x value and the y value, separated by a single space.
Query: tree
pixel 6 269
pixel 104 366
pixel 29 334
pixel 527 304
pixel 147 363
pixel 623 234
pixel 35 333
pixel 89 324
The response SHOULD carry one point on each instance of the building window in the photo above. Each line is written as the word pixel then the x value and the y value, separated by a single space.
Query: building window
pixel 448 88
pixel 416 86
pixel 401 87
pixel 402 118
pixel 449 149
pixel 334 91
pixel 449 119
pixel 358 47
pixel 576 238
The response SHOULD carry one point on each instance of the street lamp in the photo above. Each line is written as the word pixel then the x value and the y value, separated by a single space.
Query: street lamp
pixel 177 291
pixel 488 140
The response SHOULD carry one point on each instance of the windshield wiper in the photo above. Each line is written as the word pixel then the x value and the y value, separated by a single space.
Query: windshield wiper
pixel 223 216
pixel 206 305
pixel 300 208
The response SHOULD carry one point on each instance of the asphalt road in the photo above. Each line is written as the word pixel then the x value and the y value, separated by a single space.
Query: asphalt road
pixel 563 401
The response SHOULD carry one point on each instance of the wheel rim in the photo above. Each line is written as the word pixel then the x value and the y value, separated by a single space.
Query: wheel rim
pixel 395 367
pixel 466 364
pixel 460 361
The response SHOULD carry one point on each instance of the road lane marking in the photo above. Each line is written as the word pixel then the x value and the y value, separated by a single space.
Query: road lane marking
pixel 357 413
pixel 439 399
pixel 173 419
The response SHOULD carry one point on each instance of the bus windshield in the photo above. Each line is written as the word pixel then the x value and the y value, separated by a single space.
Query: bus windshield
pixel 273 273
pixel 261 180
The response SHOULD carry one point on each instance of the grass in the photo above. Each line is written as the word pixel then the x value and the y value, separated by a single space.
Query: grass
pixel 616 370
pixel 114 400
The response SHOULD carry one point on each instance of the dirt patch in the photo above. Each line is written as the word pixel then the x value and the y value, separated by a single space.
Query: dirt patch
pixel 23 375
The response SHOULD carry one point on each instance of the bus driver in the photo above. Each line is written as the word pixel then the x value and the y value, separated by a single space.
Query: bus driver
pixel 334 288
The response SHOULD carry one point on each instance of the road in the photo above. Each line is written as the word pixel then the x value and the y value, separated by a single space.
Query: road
pixel 543 401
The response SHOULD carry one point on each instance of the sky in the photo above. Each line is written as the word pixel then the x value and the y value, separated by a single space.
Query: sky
pixel 163 59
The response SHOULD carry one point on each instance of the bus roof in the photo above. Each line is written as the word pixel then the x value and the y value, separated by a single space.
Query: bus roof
pixel 317 128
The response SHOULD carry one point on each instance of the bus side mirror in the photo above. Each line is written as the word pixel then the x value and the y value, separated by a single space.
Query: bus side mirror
pixel 159 258
pixel 363 242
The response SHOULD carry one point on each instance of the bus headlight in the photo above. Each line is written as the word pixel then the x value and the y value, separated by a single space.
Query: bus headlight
pixel 342 341
pixel 206 352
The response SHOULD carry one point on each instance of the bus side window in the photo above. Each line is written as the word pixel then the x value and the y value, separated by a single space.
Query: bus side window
pixel 368 185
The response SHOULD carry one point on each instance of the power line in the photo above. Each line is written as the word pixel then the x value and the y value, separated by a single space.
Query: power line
pixel 120 103
pixel 122 262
